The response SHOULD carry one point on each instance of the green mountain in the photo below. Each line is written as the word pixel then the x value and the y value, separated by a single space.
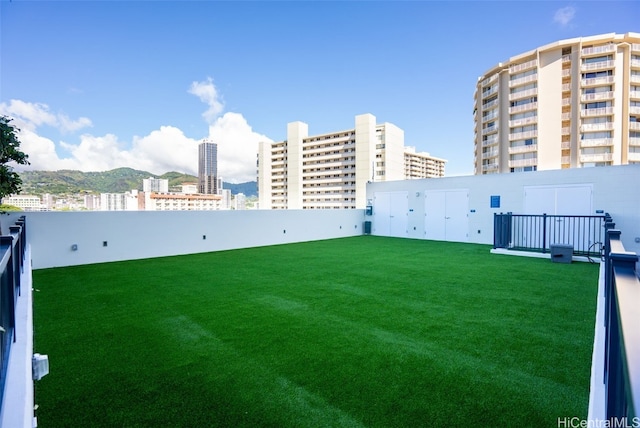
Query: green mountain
pixel 67 182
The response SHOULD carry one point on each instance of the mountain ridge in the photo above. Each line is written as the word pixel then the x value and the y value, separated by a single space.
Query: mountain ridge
pixel 119 180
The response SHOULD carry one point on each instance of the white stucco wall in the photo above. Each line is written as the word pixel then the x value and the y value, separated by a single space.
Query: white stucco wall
pixel 145 234
pixel 616 190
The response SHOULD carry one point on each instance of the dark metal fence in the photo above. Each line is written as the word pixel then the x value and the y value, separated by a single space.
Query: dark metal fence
pixel 538 232
pixel 12 249
pixel 622 336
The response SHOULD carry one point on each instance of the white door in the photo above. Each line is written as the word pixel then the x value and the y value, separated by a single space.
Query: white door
pixel 381 214
pixel 446 215
pixel 457 216
pixel 390 211
pixel 435 213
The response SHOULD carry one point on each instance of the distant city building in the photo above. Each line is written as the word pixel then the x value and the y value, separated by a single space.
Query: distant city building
pixel 48 201
pixel 92 202
pixel 189 188
pixel 127 201
pixel 240 202
pixel 155 185
pixel 181 202
pixel 331 171
pixel 226 199
pixel 25 202
pixel 422 165
pixel 570 104
pixel 208 168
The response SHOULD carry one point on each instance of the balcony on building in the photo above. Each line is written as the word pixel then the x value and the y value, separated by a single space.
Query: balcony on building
pixel 517 163
pixel 490 167
pixel 596 157
pixel 524 107
pixel 490 129
pixel 492 153
pixel 489 80
pixel 490 91
pixel 523 80
pixel 489 105
pixel 515 68
pixel 600 65
pixel 523 94
pixel 633 156
pixel 596 142
pixel 597 81
pixel 524 121
pixel 490 116
pixel 601 111
pixel 592 127
pixel 527 148
pixel 523 135
pixel 597 50
pixel 491 140
pixel 607 95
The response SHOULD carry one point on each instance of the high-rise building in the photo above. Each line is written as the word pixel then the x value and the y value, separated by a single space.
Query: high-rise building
pixel 569 104
pixel 330 171
pixel 208 168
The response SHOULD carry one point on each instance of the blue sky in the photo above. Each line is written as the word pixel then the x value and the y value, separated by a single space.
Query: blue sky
pixel 96 85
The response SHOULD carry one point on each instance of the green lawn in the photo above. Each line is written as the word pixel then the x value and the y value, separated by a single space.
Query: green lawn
pixel 364 331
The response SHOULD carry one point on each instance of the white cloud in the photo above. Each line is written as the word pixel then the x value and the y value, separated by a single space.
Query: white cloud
pixel 68 125
pixel 208 94
pixel 237 147
pixel 237 142
pixel 162 150
pixel 33 115
pixel 564 16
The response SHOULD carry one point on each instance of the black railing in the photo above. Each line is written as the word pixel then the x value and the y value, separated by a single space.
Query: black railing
pixel 622 330
pixel 12 249
pixel 538 232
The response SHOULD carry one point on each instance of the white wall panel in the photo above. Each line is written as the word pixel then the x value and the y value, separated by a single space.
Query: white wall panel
pixel 145 234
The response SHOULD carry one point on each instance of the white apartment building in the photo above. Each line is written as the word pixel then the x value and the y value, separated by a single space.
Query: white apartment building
pixel 422 165
pixel 240 202
pixel 181 202
pixel 569 104
pixel 189 188
pixel 25 202
pixel 329 171
pixel 127 201
pixel 152 184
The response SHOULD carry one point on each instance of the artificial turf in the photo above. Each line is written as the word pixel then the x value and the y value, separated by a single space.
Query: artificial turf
pixel 363 331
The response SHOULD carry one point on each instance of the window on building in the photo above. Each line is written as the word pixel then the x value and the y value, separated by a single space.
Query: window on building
pixel 595 74
pixel 597 59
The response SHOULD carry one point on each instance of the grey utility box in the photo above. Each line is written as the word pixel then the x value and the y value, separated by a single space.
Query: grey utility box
pixel 561 253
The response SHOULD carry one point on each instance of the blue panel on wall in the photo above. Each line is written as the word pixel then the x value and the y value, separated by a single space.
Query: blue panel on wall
pixel 495 201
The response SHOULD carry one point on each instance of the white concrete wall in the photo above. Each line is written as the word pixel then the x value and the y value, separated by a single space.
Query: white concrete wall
pixel 616 190
pixel 296 132
pixel 365 154
pixel 393 153
pixel 145 234
pixel 550 110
